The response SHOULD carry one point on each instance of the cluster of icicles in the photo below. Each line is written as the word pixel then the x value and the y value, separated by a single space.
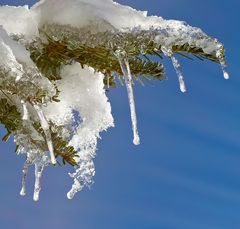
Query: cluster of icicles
pixel 124 64
pixel 40 163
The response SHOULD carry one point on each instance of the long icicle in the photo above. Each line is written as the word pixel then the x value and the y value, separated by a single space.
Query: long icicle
pixel 38 175
pixel 26 166
pixel 45 126
pixel 168 52
pixel 124 64
pixel 177 67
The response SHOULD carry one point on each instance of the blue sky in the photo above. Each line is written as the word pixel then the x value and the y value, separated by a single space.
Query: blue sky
pixel 184 175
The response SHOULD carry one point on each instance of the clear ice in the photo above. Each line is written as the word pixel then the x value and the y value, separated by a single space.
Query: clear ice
pixel 25 110
pixel 38 175
pixel 45 126
pixel 222 62
pixel 26 166
pixel 124 64
pixel 168 52
pixel 177 67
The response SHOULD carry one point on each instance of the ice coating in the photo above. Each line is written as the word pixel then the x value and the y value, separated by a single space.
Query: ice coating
pixel 16 62
pixel 7 56
pixel 25 110
pixel 109 15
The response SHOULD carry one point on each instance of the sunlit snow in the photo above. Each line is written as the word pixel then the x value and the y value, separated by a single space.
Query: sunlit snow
pixel 82 90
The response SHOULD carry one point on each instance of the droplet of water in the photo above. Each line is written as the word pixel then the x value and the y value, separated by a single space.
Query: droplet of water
pixel 222 61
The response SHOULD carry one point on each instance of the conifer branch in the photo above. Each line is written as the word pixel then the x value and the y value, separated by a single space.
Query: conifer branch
pixel 60 45
pixel 11 118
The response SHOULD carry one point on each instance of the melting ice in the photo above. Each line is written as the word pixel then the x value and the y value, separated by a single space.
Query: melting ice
pixel 124 64
pixel 82 89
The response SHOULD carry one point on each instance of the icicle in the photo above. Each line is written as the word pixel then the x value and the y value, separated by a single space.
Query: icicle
pixel 177 67
pixel 45 126
pixel 25 110
pixel 220 56
pixel 76 187
pixel 168 52
pixel 26 166
pixel 108 81
pixel 38 175
pixel 124 64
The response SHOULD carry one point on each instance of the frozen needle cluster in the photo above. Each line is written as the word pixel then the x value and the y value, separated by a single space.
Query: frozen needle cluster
pixel 56 59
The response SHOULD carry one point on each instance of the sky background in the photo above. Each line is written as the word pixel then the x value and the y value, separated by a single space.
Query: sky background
pixel 186 172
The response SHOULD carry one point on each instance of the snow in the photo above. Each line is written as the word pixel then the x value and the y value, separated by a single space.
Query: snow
pixel 83 111
pixel 19 21
pixel 83 93
pixel 7 58
pixel 81 13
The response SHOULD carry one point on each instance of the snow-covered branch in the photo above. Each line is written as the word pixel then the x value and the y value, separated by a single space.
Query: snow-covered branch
pixel 56 60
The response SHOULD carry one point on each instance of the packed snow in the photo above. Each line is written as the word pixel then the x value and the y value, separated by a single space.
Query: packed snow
pixel 82 92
